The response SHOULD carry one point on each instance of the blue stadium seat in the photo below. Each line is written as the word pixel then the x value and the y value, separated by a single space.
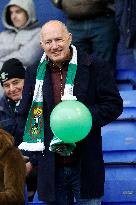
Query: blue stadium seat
pixel 126 78
pixel 125 85
pixel 120 185
pixel 129 105
pixel 125 56
pixel 126 74
pixel 126 60
pixel 119 151
pixel 119 137
pixel 125 67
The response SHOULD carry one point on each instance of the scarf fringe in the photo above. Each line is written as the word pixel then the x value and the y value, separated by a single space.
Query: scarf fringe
pixel 39 146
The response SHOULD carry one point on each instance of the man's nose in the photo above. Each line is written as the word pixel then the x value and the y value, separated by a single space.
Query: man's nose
pixel 54 44
pixel 13 16
pixel 12 87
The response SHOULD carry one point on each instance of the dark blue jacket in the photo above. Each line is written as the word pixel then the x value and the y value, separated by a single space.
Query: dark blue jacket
pixel 94 86
pixel 126 20
pixel 7 115
pixel 8 118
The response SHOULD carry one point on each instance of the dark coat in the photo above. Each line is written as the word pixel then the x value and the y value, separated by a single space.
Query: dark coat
pixel 95 87
pixel 7 116
pixel 8 119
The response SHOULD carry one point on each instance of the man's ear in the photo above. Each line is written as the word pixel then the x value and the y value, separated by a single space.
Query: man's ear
pixel 41 43
pixel 57 3
pixel 70 38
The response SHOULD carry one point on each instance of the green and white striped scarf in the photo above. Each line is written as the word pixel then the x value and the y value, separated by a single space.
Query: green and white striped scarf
pixel 33 139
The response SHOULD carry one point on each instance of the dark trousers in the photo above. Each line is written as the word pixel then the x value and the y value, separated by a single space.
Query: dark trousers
pixel 98 36
pixel 67 187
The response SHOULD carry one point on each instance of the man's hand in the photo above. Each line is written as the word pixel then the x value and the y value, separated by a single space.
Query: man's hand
pixel 64 149
pixel 29 168
pixel 26 158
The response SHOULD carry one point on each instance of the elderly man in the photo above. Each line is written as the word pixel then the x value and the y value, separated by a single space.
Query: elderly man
pixel 64 72
pixel 12 77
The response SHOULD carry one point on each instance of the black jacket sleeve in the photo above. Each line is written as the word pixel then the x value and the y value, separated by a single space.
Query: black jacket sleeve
pixel 109 102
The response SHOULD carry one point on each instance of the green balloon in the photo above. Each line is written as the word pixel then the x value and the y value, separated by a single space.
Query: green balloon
pixel 70 121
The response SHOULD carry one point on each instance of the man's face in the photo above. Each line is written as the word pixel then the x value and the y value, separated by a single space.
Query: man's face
pixel 13 88
pixel 18 16
pixel 55 41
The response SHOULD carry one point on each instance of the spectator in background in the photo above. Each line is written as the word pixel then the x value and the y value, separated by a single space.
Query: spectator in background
pixel 21 36
pixel 12 77
pixel 126 21
pixel 92 24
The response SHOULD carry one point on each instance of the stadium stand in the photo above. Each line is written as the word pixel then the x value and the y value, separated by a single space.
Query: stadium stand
pixel 126 68
pixel 119 149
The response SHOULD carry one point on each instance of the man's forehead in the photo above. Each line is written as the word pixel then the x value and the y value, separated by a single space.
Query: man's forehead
pixel 51 26
pixel 15 7
pixel 53 33
pixel 12 80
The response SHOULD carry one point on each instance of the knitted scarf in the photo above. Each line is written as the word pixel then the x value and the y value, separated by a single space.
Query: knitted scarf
pixel 33 139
